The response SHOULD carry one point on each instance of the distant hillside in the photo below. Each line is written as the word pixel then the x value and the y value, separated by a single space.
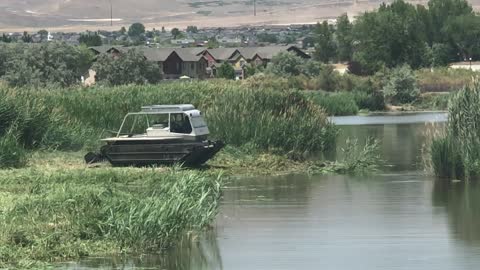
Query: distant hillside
pixel 74 15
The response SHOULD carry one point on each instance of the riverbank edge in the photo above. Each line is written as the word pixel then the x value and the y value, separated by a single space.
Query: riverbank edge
pixel 47 167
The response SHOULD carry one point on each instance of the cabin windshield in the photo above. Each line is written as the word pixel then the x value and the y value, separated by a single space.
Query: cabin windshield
pixel 198 122
pixel 180 123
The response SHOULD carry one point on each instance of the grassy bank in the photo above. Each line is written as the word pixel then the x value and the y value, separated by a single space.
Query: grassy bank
pixel 455 151
pixel 58 213
pixel 278 121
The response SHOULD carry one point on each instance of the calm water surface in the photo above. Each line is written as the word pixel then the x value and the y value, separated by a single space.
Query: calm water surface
pixel 400 219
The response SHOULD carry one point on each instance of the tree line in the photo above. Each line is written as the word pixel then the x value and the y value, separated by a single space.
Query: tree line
pixel 401 33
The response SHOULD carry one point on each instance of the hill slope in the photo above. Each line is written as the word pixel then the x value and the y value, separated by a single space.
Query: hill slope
pixel 16 15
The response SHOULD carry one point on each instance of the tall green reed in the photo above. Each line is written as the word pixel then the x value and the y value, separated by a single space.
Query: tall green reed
pixel 457 153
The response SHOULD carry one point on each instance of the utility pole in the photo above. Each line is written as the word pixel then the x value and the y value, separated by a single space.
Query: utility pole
pixel 254 7
pixel 111 13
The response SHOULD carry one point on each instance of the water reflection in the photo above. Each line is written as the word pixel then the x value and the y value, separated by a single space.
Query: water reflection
pixel 400 145
pixel 401 219
pixel 461 201
pixel 198 252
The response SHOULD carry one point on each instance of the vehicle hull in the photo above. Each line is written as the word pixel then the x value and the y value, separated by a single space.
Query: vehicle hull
pixel 156 152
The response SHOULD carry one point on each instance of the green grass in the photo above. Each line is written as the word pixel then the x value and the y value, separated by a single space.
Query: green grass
pixel 62 214
pixel 444 79
pixel 281 121
pixel 456 152
pixel 338 104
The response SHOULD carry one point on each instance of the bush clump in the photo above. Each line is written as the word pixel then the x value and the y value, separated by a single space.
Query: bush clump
pixel 50 217
pixel 270 119
pixel 401 86
pixel 338 104
pixel 457 152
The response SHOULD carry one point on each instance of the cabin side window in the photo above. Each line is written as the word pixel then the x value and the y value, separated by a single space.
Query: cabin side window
pixel 180 123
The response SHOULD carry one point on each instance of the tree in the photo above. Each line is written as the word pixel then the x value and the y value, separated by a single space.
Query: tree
pixel 26 38
pixel 464 33
pixel 266 37
pixel 441 11
pixel 43 34
pixel 212 43
pixel 192 29
pixel 163 29
pixel 43 64
pixel 6 39
pixel 126 68
pixel 285 64
pixel 324 46
pixel 344 38
pixel 175 33
pixel 441 54
pixel 136 30
pixel 226 71
pixel 401 86
pixel 391 36
pixel 123 31
pixel 90 39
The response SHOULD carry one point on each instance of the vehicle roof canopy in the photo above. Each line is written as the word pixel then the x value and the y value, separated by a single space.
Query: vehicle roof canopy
pixel 160 109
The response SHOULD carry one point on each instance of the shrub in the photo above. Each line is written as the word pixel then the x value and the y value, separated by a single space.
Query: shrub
pixel 12 154
pixel 443 79
pixel 368 97
pixel 77 116
pixel 401 86
pixel 336 103
pixel 285 64
pixel 226 71
pixel 446 160
pixel 457 153
pixel 126 68
pixel 44 64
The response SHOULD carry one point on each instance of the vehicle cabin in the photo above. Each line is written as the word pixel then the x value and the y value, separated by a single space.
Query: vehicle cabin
pixel 164 121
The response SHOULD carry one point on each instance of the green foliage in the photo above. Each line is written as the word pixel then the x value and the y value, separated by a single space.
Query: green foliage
pixel 90 39
pixel 464 33
pixel 268 38
pixel 5 38
pixel 344 37
pixel 337 104
pixel 391 36
pixel 43 64
pixel 192 29
pixel 43 34
pixel 324 45
pixel 213 43
pixel 401 86
pixel 440 13
pixel 446 159
pixel 77 117
pixel 443 79
pixel 136 30
pixel 358 158
pixel 128 67
pixel 285 64
pixel 68 215
pixel 175 33
pixel 26 38
pixel 441 54
pixel 457 152
pixel 226 71
pixel 12 154
pixel 328 79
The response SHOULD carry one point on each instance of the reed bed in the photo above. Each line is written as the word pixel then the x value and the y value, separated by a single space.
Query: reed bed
pixel 456 153
pixel 271 120
pixel 48 217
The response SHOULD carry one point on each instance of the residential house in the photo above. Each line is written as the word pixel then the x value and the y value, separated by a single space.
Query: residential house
pixel 241 56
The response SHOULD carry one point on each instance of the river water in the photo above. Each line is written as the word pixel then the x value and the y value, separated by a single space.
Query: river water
pixel 399 219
